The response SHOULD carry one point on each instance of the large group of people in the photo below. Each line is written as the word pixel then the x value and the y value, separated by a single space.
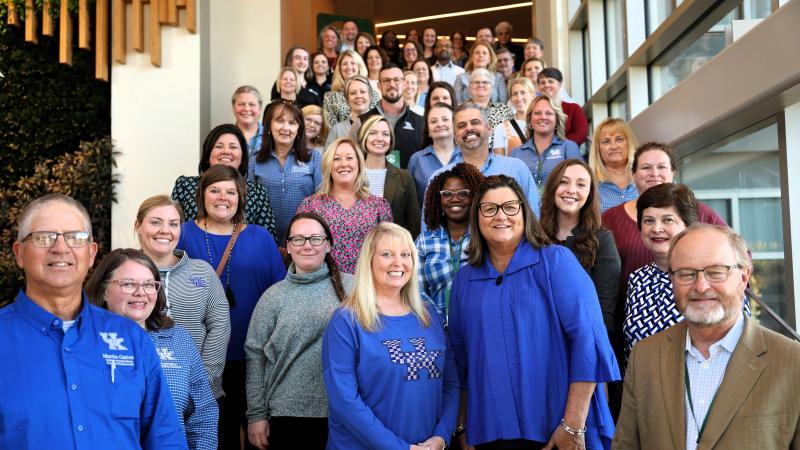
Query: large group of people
pixel 407 250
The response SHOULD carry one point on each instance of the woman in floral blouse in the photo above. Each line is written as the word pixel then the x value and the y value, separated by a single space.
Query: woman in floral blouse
pixel 226 144
pixel 344 201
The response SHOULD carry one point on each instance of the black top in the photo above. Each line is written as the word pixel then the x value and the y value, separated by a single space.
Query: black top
pixel 305 97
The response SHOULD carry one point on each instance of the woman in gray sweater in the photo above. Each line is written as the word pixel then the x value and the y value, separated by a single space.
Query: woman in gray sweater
pixel 287 406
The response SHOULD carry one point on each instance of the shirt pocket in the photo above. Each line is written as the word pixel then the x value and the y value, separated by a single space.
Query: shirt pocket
pixel 126 392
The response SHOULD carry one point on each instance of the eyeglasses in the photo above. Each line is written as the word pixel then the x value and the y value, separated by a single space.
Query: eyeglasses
pixel 128 286
pixel 299 241
pixel 396 80
pixel 47 239
pixel 510 208
pixel 463 194
pixel 480 83
pixel 714 274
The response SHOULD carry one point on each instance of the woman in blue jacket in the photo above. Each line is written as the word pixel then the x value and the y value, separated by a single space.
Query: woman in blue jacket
pixel 527 333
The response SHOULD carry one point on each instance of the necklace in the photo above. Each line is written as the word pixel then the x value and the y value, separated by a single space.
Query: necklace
pixel 228 291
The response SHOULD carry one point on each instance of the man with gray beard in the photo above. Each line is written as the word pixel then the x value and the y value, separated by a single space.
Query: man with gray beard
pixel 718 379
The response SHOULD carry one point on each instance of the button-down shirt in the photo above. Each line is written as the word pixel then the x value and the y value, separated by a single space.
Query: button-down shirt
pixel 447 73
pixel 288 185
pixel 98 385
pixel 705 377
pixel 422 165
pixel 540 164
pixel 438 266
pixel 611 195
pixel 254 145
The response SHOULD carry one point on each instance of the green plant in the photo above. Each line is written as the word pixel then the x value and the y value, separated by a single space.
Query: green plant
pixel 85 175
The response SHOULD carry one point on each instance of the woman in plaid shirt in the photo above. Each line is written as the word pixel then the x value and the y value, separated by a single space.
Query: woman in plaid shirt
pixel 442 246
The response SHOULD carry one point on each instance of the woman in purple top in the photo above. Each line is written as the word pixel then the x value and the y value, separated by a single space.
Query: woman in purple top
pixel 344 201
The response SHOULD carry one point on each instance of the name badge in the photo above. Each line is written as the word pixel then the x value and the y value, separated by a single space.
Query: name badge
pixel 393 158
pixel 555 154
pixel 301 168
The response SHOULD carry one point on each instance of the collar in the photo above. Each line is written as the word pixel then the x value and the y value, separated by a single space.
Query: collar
pixel 41 319
pixel 289 156
pixel 458 158
pixel 306 278
pixel 528 145
pixel 728 342
pixel 379 107
pixel 524 256
pixel 260 131
pixel 439 65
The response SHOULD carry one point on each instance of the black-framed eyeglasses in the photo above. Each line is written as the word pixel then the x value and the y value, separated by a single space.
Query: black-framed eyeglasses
pixel 299 241
pixel 128 286
pixel 715 274
pixel 47 239
pixel 510 208
pixel 447 194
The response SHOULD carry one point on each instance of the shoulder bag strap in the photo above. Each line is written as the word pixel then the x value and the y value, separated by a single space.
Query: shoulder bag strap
pixel 229 248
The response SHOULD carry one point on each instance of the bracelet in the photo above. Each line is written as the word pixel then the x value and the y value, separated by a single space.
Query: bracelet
pixel 573 431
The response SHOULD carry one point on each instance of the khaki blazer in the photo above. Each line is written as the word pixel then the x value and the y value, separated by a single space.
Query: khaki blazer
pixel 757 405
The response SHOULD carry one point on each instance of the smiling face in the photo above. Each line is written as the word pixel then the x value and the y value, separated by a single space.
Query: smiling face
pixel 391 84
pixel 307 258
pixel 379 139
pixel 480 57
pixel 349 67
pixel 159 231
pixel 300 60
pixel 549 86
pixel 392 264
pixel 60 269
pixel 284 128
pixel 246 109
pixel 458 41
pixel 410 86
pixel 321 66
pixel 521 97
pixel 533 51
pixel 456 208
pixel 313 125
pixel 444 50
pixel 137 306
pixel 410 53
pixel 344 169
pixel 349 31
pixel 659 226
pixel 440 95
pixel 573 190
pixel 362 43
pixel 543 118
pixel 480 87
pixel 472 132
pixel 358 97
pixel 705 303
pixel 531 71
pixel 329 40
pixel 421 69
pixel 288 83
pixel 429 37
pixel 501 229
pixel 652 168
pixel 440 123
pixel 221 201
pixel 505 63
pixel 374 61
pixel 484 35
pixel 226 151
pixel 613 146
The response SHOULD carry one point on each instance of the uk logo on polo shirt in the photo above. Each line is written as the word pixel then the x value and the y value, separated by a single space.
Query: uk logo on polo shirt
pixel 114 342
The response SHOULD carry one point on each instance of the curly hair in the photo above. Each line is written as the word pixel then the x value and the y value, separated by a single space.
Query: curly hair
pixel 586 244
pixel 469 174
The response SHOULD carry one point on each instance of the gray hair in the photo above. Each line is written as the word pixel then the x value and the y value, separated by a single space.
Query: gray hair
pixel 30 210
pixel 470 105
pixel 737 243
pixel 481 72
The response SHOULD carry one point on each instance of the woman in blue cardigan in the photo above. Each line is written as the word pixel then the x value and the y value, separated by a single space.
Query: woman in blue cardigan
pixel 527 332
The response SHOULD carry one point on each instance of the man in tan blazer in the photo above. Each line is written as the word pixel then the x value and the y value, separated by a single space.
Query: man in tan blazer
pixel 744 380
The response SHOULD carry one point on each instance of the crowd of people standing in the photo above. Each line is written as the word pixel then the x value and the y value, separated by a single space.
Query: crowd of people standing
pixel 408 249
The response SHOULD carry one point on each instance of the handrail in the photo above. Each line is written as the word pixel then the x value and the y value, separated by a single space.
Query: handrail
pixel 770 312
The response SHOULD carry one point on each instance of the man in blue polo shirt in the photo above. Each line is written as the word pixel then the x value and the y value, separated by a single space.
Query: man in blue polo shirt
pixel 74 376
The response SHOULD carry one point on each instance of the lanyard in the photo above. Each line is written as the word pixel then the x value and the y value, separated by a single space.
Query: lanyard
pixel 702 427
pixel 455 263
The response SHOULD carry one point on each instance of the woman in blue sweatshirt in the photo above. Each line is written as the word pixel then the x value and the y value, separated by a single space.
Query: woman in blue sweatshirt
pixel 386 364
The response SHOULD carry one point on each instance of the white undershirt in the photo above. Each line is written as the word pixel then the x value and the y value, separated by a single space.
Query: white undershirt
pixel 377 179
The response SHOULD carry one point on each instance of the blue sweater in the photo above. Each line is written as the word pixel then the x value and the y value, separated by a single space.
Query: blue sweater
pixel 521 339
pixel 389 388
pixel 255 265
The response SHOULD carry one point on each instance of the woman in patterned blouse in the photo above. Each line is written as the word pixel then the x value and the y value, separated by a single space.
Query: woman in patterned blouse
pixel 442 246
pixel 334 106
pixel 226 145
pixel 662 212
pixel 126 282
pixel 344 201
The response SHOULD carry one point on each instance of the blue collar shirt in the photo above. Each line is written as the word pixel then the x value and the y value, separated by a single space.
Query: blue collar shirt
pixel 422 165
pixel 99 385
pixel 541 164
pixel 611 195
pixel 255 142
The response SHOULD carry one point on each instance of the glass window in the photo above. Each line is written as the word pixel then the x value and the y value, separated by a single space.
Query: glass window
pixel 656 11
pixel 740 179
pixel 615 45
pixel 618 106
pixel 572 8
pixel 756 9
pixel 672 68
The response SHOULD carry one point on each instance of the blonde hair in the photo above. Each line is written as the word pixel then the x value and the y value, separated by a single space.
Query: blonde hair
pixel 492 58
pixel 367 126
pixel 337 84
pixel 561 118
pixel 361 186
pixel 298 84
pixel 526 83
pixel 157 201
pixel 412 73
pixel 363 300
pixel 596 162
pixel 316 110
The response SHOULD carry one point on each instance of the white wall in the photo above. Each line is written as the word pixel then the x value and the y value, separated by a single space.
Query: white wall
pixel 160 116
